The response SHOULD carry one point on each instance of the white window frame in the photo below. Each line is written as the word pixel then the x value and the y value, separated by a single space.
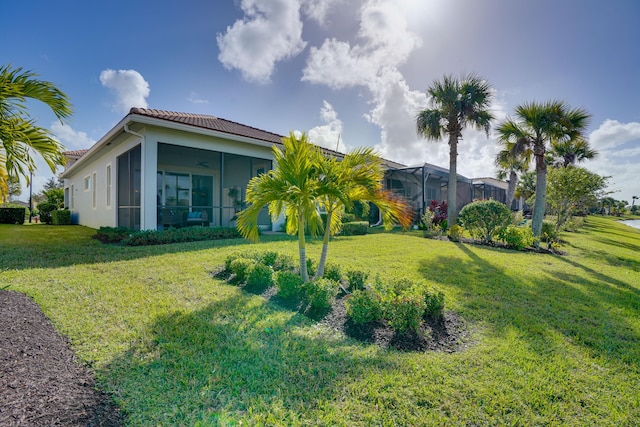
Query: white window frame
pixel 86 183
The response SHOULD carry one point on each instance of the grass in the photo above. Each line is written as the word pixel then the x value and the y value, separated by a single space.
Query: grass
pixel 556 339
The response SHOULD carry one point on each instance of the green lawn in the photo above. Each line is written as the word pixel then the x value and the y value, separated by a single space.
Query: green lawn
pixel 555 339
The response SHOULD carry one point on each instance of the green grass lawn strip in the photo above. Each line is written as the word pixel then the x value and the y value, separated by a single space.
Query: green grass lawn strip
pixel 555 338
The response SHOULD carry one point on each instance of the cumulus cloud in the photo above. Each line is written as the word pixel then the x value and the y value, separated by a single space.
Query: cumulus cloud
pixel 385 41
pixel 318 10
pixel 270 32
pixel 619 156
pixel 71 138
pixel 129 87
pixel 329 134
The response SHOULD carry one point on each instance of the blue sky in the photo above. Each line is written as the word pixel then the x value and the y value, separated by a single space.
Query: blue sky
pixel 357 70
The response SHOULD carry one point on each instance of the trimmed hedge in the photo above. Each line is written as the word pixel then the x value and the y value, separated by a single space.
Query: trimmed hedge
pixel 12 215
pixel 128 237
pixel 45 209
pixel 355 228
pixel 61 217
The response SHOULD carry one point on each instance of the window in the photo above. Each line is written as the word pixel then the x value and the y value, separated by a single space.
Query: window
pixel 71 197
pixel 93 195
pixel 108 185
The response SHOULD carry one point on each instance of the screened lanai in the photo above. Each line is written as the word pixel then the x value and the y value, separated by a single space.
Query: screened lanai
pixel 421 184
pixel 203 187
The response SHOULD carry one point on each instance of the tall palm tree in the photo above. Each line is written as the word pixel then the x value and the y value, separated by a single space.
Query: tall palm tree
pixel 455 103
pixel 535 126
pixel 510 166
pixel 357 177
pixel 19 134
pixel 293 188
pixel 570 151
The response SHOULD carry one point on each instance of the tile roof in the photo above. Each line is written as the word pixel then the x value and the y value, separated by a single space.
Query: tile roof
pixel 209 122
pixel 221 125
pixel 75 153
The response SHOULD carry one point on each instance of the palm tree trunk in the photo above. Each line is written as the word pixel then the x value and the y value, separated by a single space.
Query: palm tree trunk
pixel 541 197
pixel 513 181
pixel 452 210
pixel 325 247
pixel 302 249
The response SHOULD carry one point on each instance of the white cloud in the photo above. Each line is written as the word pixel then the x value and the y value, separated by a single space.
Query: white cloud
pixel 318 10
pixel 612 133
pixel 270 32
pixel 386 42
pixel 72 139
pixel 328 135
pixel 619 156
pixel 130 88
pixel 196 99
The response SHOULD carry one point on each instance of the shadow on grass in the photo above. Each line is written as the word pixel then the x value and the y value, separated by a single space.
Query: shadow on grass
pixel 592 313
pixel 45 246
pixel 239 358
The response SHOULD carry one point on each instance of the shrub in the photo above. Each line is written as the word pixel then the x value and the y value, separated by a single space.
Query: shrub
pixel 260 277
pixel 289 284
pixel 45 209
pixel 356 228
pixel 363 306
pixel 112 234
pixel 517 218
pixel 349 217
pixel 241 267
pixel 439 210
pixel 356 279
pixel 484 218
pixel 434 303
pixel 332 271
pixel 454 233
pixel 404 310
pixel 320 293
pixel 311 267
pixel 61 217
pixel 284 262
pixel 179 235
pixel 269 258
pixel 549 233
pixel 516 237
pixel 573 224
pixel 12 215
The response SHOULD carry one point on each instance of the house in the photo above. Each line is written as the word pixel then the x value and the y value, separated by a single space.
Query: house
pixel 157 169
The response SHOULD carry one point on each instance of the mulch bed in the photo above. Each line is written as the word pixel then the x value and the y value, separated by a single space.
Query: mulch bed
pixel 42 383
pixel 449 333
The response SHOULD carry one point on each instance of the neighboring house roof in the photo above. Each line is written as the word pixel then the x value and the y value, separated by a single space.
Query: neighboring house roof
pixel 203 122
pixel 491 181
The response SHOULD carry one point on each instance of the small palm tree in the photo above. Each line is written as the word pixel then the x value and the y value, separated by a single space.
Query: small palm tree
pixel 293 188
pixel 357 177
pixel 535 127
pixel 510 166
pixel 19 135
pixel 456 103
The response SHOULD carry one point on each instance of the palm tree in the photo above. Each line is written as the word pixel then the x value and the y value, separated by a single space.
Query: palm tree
pixel 19 135
pixel 633 200
pixel 535 126
pixel 456 103
pixel 357 177
pixel 570 151
pixel 293 187
pixel 510 166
